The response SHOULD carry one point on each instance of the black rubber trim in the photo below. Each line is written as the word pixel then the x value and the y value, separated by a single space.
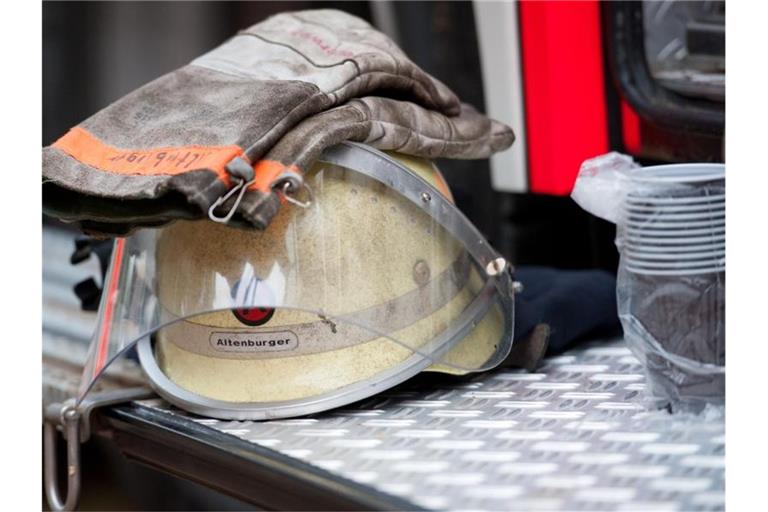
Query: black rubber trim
pixel 243 470
pixel 625 49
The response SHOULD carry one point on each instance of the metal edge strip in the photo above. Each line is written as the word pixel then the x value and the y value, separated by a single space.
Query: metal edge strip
pixel 249 472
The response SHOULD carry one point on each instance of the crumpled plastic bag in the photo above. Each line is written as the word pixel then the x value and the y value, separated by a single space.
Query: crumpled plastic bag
pixel 674 324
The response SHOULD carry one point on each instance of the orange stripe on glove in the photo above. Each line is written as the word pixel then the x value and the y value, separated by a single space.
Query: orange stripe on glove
pixel 87 149
pixel 266 173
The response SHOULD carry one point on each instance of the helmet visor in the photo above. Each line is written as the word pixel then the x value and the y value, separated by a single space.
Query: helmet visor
pixel 378 278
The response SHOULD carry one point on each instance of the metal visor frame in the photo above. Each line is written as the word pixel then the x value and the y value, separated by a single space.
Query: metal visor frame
pixel 496 292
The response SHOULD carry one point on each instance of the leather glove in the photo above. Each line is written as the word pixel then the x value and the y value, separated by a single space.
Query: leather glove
pixel 172 148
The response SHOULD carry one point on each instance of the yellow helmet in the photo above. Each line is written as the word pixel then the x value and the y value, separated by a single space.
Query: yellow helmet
pixel 379 278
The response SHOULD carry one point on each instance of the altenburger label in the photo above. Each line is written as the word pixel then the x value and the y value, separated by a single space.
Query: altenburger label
pixel 254 341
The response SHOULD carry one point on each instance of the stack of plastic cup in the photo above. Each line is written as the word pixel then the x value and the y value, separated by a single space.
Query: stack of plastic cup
pixel 675 235
pixel 672 279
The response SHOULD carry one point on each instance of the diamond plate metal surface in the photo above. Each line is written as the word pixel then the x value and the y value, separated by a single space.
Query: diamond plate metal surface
pixel 574 436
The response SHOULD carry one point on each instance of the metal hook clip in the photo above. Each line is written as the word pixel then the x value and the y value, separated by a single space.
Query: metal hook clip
pixel 288 195
pixel 240 169
pixel 242 186
pixel 70 420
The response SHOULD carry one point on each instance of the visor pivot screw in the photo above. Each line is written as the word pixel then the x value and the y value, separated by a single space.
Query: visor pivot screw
pixel 496 267
pixel 517 287
pixel 421 272
pixel 426 197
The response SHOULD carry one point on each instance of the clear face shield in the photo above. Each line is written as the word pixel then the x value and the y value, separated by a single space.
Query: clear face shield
pixel 379 278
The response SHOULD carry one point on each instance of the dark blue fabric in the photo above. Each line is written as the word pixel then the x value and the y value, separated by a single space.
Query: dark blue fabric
pixel 574 303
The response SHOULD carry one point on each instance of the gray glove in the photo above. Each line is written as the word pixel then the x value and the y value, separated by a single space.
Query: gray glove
pixel 385 124
pixel 170 149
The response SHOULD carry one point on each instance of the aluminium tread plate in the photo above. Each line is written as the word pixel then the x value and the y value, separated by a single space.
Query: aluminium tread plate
pixel 573 436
